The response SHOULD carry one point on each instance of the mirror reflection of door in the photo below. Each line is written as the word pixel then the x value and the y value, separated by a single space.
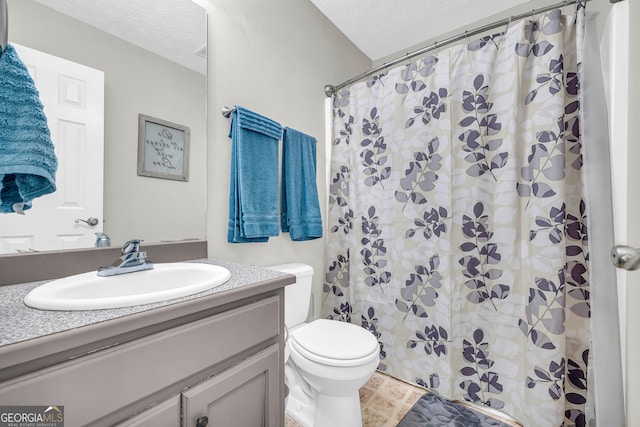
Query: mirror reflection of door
pixel 73 99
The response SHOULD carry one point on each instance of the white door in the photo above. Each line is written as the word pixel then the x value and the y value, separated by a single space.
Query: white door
pixel 73 99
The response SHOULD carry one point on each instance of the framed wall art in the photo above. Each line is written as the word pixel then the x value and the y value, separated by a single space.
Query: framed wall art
pixel 163 149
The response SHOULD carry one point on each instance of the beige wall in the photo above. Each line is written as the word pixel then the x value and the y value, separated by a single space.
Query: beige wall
pixel 273 57
pixel 136 81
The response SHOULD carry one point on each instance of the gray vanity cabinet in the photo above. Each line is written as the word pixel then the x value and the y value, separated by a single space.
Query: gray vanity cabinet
pixel 244 395
pixel 224 362
pixel 165 414
pixel 237 396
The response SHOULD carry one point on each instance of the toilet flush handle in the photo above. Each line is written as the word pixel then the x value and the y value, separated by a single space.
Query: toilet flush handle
pixel 202 422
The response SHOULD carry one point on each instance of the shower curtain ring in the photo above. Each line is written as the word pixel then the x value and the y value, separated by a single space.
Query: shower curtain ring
pixel 508 24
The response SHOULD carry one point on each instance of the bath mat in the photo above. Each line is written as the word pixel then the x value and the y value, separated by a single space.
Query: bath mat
pixel 433 411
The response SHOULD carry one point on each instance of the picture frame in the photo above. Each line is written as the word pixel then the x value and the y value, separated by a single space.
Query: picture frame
pixel 163 149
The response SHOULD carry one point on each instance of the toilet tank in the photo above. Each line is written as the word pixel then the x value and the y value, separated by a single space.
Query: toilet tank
pixel 297 296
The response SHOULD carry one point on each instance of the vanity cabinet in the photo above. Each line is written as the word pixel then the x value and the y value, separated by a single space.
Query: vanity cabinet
pixel 244 395
pixel 164 414
pixel 234 397
pixel 224 363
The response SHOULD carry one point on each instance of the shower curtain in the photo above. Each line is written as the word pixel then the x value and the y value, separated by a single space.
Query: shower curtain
pixel 460 227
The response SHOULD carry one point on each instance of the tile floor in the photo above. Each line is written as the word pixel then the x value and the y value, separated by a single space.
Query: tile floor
pixel 385 400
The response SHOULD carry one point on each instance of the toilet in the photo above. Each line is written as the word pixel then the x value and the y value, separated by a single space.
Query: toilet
pixel 326 361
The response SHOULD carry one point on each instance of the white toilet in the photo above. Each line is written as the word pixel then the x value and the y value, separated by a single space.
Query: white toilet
pixel 326 361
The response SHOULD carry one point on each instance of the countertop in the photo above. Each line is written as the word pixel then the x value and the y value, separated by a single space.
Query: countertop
pixel 27 334
pixel 20 322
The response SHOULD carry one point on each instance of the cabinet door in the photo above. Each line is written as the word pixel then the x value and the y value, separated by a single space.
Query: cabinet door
pixel 165 414
pixel 246 395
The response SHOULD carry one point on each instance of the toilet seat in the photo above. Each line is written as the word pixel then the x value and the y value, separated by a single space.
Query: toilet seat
pixel 335 343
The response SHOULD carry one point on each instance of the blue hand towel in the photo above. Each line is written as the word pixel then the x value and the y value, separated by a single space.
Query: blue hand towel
pixel 300 214
pixel 28 161
pixel 253 195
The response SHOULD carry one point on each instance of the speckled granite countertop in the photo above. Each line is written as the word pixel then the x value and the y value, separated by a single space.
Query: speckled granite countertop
pixel 19 323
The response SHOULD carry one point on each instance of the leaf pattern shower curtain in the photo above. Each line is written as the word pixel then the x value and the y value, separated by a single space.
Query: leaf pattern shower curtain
pixel 458 223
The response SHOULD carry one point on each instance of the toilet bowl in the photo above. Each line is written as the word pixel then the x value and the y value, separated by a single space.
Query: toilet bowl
pixel 326 361
pixel 335 359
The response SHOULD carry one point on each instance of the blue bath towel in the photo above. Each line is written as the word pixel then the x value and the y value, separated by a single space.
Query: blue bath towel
pixel 300 214
pixel 253 195
pixel 28 161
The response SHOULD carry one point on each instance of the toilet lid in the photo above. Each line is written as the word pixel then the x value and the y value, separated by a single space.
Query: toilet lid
pixel 331 339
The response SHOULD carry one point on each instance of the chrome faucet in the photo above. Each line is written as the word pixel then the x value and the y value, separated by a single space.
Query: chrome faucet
pixel 132 259
pixel 102 240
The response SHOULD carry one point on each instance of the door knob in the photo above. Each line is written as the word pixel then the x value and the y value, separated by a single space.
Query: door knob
pixel 202 421
pixel 92 221
pixel 625 257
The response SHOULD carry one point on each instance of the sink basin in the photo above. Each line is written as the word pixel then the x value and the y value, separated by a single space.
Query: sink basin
pixel 88 291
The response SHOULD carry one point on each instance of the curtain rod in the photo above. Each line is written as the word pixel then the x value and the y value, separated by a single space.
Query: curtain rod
pixel 330 90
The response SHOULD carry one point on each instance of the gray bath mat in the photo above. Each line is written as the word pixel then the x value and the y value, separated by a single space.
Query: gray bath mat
pixel 433 411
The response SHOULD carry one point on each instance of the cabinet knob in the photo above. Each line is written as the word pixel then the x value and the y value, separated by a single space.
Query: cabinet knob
pixel 202 422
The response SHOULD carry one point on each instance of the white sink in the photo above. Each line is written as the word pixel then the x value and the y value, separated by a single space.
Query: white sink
pixel 88 291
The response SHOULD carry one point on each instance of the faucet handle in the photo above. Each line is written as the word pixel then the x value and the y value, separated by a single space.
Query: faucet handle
pixel 131 246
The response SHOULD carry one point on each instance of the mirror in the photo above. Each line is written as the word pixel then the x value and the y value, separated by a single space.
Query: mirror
pixel 153 55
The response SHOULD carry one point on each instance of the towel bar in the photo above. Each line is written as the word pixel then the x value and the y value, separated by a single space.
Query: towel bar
pixel 4 26
pixel 226 111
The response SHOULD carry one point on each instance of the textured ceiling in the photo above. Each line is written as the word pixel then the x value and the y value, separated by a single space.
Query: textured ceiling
pixel 174 29
pixel 384 27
